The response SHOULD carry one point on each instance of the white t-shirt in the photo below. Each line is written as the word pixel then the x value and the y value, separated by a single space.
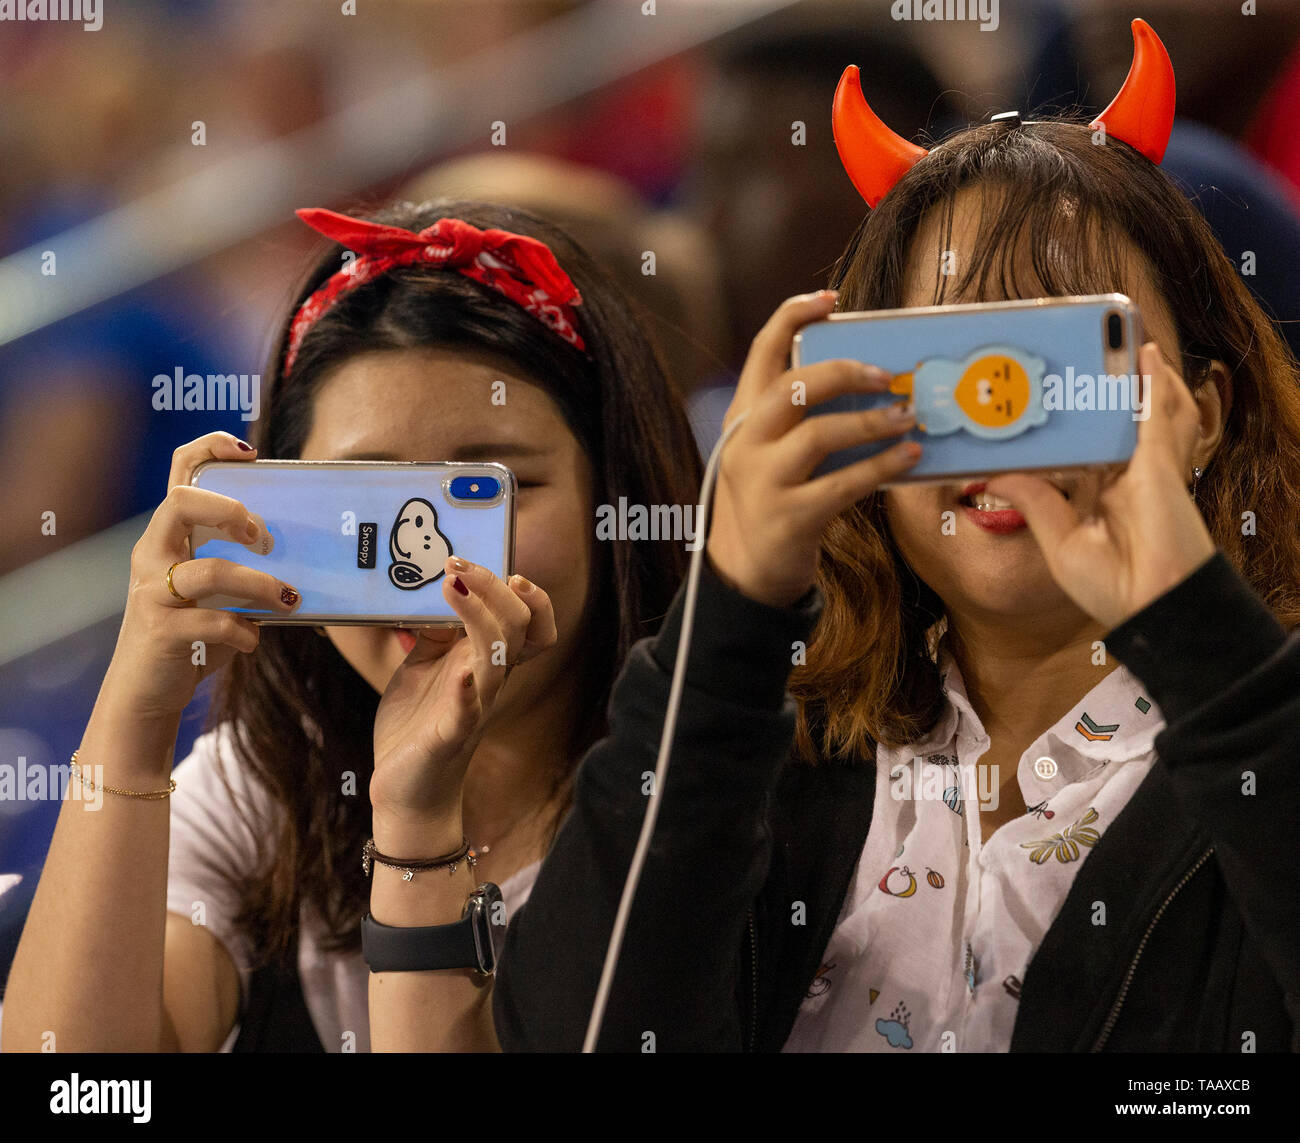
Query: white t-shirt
pixel 212 847
pixel 937 927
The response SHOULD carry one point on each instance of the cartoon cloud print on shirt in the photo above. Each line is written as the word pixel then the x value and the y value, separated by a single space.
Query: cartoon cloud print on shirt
pixel 418 549
pixel 995 392
pixel 897 1028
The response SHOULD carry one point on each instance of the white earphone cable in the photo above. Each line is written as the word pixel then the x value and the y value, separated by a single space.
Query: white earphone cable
pixel 665 743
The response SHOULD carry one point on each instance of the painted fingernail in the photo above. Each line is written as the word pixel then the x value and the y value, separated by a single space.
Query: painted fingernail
pixel 520 583
pixel 244 445
pixel 468 680
pixel 460 587
pixel 288 596
pixel 900 413
pixel 458 564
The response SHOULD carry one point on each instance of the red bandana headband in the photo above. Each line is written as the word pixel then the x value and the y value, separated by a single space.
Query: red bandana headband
pixel 521 268
pixel 1142 115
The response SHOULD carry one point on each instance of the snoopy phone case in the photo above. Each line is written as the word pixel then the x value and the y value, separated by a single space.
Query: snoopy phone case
pixel 1037 384
pixel 364 542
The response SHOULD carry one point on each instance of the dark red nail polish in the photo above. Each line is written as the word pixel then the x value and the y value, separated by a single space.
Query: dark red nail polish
pixel 288 596
pixel 460 587
pixel 244 445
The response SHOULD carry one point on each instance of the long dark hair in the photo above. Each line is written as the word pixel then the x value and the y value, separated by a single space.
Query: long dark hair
pixel 1072 208
pixel 301 719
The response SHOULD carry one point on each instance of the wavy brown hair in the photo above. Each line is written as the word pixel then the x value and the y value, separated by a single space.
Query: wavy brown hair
pixel 1070 211
pixel 300 717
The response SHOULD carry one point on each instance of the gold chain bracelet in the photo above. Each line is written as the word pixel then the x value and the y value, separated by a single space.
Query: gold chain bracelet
pixel 140 795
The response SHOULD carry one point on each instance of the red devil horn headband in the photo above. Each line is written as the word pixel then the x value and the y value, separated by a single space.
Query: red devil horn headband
pixel 1142 115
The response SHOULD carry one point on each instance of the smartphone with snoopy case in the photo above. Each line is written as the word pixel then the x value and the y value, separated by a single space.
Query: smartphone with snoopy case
pixel 1043 383
pixel 365 542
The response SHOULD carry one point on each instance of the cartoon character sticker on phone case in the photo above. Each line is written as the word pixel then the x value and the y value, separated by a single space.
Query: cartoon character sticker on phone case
pixel 418 548
pixel 995 392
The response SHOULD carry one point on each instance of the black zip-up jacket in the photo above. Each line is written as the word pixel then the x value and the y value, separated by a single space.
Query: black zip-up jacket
pixel 1201 946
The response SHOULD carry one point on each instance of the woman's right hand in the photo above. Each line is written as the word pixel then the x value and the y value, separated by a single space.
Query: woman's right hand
pixel 154 668
pixel 768 516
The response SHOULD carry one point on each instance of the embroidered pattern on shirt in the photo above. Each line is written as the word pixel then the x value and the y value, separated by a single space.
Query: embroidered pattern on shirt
pixel 1094 732
pixel 953 956
pixel 822 981
pixel 1066 843
pixel 952 799
pixel 902 890
pixel 951 794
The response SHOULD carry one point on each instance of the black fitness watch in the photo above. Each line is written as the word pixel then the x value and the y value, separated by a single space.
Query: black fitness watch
pixel 467 943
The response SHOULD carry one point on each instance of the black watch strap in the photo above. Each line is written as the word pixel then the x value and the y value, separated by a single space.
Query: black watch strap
pixel 468 943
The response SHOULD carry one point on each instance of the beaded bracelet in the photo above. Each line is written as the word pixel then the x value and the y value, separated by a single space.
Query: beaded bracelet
pixel 409 868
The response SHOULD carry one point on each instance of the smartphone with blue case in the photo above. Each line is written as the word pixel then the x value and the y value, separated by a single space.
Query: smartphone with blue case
pixel 365 542
pixel 1044 383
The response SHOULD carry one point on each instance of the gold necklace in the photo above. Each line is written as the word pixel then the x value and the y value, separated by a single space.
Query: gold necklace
pixel 480 850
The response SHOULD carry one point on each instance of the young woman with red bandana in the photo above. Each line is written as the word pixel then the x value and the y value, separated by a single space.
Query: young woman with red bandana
pixel 234 921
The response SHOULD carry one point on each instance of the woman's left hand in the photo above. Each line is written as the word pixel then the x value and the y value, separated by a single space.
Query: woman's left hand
pixel 432 714
pixel 1148 535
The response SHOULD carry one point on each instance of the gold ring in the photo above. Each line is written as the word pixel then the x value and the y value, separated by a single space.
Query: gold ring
pixel 172 587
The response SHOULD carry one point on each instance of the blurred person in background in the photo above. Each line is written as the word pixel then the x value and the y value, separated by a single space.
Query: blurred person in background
pixel 85 156
pixel 1229 144
pixel 779 208
pixel 770 192
pixel 665 263
pixel 60 386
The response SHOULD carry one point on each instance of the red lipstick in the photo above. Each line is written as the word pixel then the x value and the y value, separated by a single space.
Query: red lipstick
pixel 998 522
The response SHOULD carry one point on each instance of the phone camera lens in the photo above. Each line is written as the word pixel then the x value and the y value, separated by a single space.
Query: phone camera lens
pixel 1114 331
pixel 475 488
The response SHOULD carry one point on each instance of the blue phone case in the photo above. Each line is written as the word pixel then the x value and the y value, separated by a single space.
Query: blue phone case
pixel 365 542
pixel 998 387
